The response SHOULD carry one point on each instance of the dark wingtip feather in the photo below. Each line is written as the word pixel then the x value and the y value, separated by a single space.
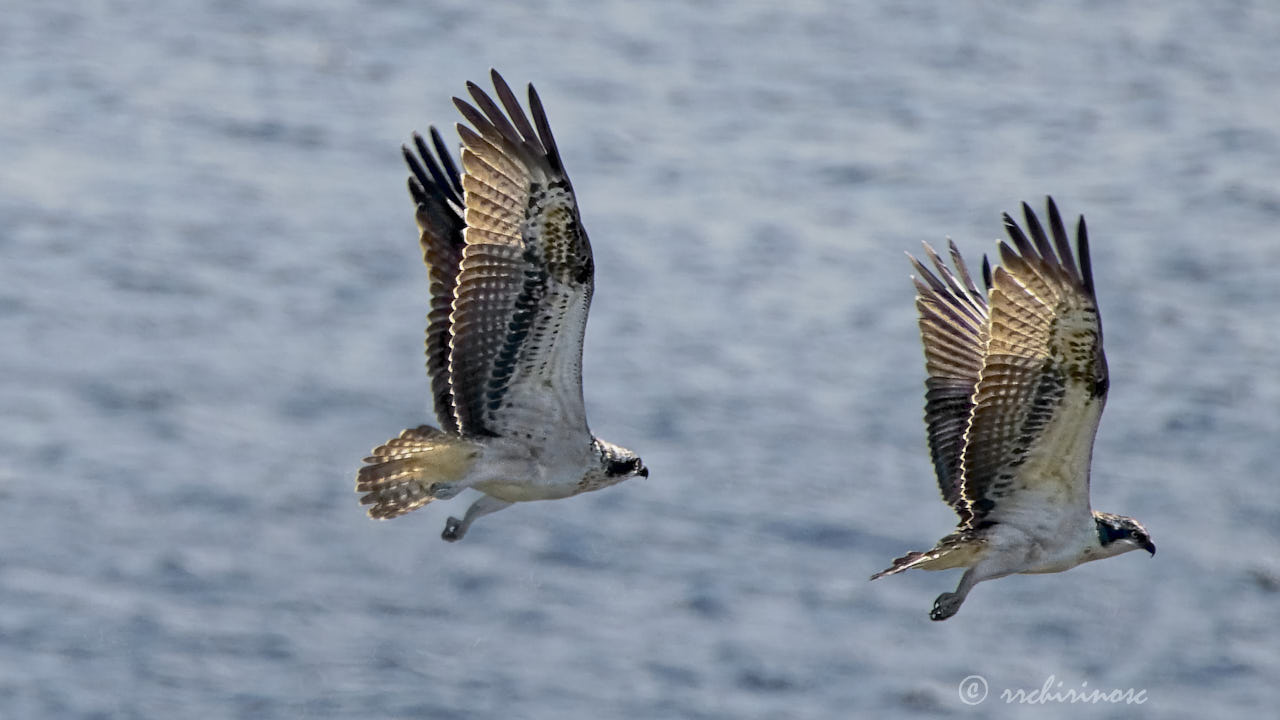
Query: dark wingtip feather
pixel 416 191
pixel 496 77
pixel 516 113
pixel 936 279
pixel 986 271
pixel 415 168
pixel 1015 234
pixel 953 285
pixel 446 159
pixel 495 115
pixel 468 135
pixel 1061 240
pixel 924 279
pixel 963 269
pixel 449 187
pixel 1086 265
pixel 471 115
pixel 544 130
pixel 1034 227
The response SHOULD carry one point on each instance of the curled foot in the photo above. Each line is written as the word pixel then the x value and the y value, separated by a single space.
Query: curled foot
pixel 946 605
pixel 453 530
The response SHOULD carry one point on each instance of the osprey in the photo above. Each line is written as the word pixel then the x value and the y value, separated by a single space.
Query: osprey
pixel 511 279
pixel 1017 382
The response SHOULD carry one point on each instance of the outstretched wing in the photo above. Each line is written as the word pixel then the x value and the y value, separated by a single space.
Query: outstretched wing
pixel 436 188
pixel 953 327
pixel 1043 382
pixel 524 290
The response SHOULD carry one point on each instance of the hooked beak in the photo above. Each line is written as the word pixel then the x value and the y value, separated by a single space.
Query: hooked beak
pixel 644 472
pixel 1150 547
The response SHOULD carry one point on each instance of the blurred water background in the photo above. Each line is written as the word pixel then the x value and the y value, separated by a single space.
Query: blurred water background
pixel 211 304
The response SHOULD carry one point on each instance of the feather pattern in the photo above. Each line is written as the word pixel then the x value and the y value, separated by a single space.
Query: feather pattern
pixel 512 277
pixel 436 188
pixel 1016 374
pixel 404 473
pixel 1042 387
pixel 1017 381
pixel 526 276
pixel 953 326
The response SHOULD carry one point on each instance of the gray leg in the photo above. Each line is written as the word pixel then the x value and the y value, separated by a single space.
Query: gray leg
pixel 454 529
pixel 948 604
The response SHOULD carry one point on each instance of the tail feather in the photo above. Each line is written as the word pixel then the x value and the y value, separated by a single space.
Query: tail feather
pixel 959 549
pixel 405 473
pixel 906 562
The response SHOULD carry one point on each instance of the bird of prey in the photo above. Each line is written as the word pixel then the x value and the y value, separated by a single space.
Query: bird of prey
pixel 511 279
pixel 1017 382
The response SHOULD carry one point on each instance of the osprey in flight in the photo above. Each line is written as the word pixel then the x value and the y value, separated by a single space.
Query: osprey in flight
pixel 511 279
pixel 1017 382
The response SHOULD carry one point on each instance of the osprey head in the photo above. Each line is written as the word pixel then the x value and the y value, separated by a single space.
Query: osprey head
pixel 619 463
pixel 1119 534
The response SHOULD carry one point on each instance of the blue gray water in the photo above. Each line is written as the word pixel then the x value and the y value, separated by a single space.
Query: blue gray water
pixel 211 303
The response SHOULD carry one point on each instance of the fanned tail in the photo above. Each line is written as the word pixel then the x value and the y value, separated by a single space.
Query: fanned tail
pixel 409 471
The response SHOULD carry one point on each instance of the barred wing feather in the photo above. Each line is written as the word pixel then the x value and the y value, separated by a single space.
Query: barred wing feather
pixel 526 278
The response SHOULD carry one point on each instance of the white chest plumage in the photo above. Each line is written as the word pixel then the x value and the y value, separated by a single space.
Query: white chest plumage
pixel 519 472
pixel 1047 547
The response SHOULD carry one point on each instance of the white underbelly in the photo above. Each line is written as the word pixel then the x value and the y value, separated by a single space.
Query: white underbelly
pixel 516 474
pixel 527 492
pixel 1046 549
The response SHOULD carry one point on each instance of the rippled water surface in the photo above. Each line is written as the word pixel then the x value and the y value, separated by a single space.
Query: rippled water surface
pixel 211 302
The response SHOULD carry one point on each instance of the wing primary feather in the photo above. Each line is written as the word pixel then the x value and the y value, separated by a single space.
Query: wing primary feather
pixel 953 284
pixel 485 133
pixel 472 139
pixel 953 316
pixel 1010 259
pixel 1015 234
pixel 544 131
pixel 416 190
pixel 514 111
pixel 438 176
pixel 472 116
pixel 964 272
pixel 415 167
pixel 1086 265
pixel 446 161
pixel 436 189
pixel 495 115
pixel 970 304
pixel 926 274
pixel 928 284
pixel 1061 239
pixel 1037 233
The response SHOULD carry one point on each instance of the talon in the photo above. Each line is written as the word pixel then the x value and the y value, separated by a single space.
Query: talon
pixel 451 527
pixel 945 606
